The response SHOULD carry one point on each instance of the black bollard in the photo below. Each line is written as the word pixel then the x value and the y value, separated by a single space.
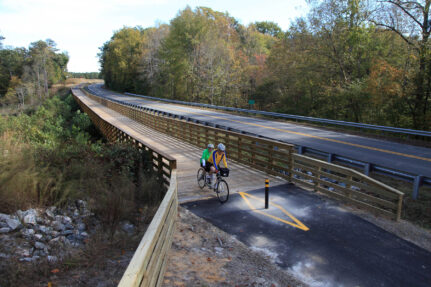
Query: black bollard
pixel 266 193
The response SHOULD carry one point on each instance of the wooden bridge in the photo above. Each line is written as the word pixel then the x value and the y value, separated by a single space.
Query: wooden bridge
pixel 176 147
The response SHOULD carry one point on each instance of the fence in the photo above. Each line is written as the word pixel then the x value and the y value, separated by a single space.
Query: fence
pixel 275 158
pixel 402 131
pixel 148 264
pixel 418 180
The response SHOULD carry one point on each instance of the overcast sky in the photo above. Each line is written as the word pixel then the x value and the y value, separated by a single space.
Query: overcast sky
pixel 80 27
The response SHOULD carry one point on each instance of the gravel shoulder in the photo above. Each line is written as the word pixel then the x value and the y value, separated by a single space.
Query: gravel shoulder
pixel 204 255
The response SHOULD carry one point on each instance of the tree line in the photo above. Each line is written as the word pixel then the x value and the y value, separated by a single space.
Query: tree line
pixel 27 74
pixel 87 75
pixel 355 60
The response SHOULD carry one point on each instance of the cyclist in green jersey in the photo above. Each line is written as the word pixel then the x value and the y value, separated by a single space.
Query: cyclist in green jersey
pixel 205 155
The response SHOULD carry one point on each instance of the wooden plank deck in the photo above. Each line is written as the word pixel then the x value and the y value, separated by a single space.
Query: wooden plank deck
pixel 242 178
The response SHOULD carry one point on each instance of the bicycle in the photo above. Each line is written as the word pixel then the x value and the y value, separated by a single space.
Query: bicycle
pixel 221 187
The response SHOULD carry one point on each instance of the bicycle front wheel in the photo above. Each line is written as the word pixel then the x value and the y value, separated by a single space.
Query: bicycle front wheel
pixel 222 191
pixel 201 177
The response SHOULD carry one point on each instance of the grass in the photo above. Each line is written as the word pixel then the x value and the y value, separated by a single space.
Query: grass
pixel 416 211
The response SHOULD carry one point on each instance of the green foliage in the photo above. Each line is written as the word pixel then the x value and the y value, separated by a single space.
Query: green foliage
pixel 88 75
pixel 269 28
pixel 26 75
pixel 52 155
pixel 337 62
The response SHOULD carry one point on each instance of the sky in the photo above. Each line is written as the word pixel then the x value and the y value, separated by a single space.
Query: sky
pixel 80 27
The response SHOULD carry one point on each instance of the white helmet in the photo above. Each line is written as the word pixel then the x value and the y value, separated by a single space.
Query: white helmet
pixel 210 146
pixel 221 147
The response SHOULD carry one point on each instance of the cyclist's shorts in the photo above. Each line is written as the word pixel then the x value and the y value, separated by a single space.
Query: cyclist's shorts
pixel 207 166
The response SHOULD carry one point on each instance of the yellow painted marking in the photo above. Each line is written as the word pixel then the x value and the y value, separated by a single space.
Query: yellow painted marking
pixel 303 134
pixel 297 224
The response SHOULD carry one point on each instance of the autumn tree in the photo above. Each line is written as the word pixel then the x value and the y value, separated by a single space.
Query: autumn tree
pixel 411 21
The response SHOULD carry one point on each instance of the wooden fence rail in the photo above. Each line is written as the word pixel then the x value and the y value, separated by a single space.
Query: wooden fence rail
pixel 148 264
pixel 275 158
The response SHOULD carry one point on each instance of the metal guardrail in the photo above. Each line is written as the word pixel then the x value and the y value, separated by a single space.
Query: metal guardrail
pixel 148 264
pixel 417 179
pixel 296 117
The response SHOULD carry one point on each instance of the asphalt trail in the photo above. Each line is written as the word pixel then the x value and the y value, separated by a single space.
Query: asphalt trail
pixel 339 249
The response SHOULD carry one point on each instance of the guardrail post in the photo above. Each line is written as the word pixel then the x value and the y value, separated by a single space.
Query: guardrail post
pixel 367 169
pixel 301 149
pixel 330 157
pixel 416 185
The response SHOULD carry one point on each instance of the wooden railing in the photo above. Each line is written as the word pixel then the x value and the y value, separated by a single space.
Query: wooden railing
pixel 148 264
pixel 278 159
pixel 347 185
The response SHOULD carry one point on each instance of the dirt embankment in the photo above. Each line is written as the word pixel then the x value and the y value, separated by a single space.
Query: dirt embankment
pixel 204 255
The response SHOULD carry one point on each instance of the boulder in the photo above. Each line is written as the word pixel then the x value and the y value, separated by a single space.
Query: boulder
pixel 39 245
pixel 4 217
pixel 26 232
pixel 13 223
pixel 30 218
pixel 4 230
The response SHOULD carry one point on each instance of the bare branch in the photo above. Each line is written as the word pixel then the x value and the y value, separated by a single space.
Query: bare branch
pixel 398 32
pixel 400 4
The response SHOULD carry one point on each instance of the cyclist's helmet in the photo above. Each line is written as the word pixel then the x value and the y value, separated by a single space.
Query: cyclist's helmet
pixel 210 146
pixel 221 147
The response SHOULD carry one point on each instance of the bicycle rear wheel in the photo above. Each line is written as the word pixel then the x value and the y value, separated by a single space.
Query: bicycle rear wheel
pixel 222 191
pixel 201 177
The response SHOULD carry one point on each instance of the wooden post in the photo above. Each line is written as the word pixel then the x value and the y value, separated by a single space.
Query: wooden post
pixel 400 207
pixel 290 167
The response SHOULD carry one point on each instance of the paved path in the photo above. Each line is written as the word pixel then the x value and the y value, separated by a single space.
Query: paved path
pixel 331 248
pixel 312 237
pixel 407 158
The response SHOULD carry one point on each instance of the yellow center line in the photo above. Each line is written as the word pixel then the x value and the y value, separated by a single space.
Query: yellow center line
pixel 297 224
pixel 302 134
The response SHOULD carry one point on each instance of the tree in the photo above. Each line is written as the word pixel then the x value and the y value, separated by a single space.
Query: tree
pixel 120 58
pixel 269 28
pixel 410 20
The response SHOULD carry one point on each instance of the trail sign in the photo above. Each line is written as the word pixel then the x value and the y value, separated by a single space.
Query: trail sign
pixel 251 102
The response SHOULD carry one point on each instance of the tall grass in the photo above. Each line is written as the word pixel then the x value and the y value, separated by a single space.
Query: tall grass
pixel 54 155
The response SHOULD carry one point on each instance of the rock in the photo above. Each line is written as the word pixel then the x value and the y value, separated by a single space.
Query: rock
pixel 4 217
pixel 24 252
pixel 76 213
pixel 30 218
pixel 39 245
pixel 66 232
pixel 13 223
pixel 44 229
pixel 69 226
pixel 58 241
pixel 67 220
pixel 38 236
pixel 4 230
pixel 27 232
pixel 52 259
pixel 40 253
pixel 50 211
pixel 20 214
pixel 84 234
pixel 57 225
pixel 81 226
pixel 54 233
pixel 218 249
pixel 4 256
